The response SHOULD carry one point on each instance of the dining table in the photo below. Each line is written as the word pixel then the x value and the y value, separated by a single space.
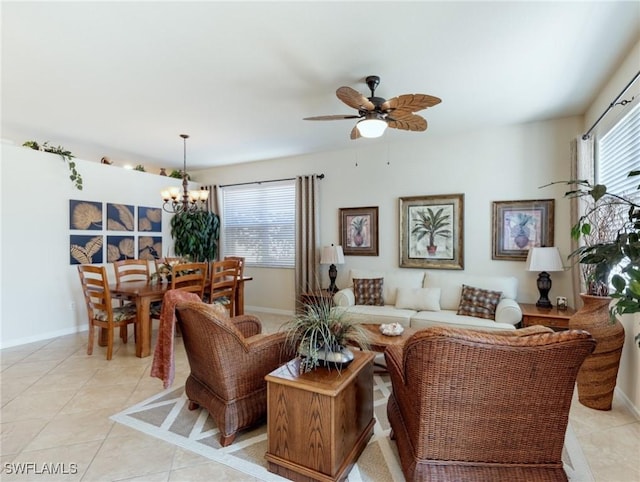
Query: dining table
pixel 143 293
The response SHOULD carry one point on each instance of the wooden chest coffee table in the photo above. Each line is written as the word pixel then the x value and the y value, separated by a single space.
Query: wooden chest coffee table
pixel 318 423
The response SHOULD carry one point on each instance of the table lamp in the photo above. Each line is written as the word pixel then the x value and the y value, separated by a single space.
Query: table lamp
pixel 544 260
pixel 332 255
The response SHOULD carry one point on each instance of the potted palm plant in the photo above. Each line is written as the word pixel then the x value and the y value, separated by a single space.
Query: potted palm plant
pixel 430 223
pixel 321 335
pixel 603 250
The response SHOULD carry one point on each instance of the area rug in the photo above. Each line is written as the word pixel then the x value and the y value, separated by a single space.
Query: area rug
pixel 166 416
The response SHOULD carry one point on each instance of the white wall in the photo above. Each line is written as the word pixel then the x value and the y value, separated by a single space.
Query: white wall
pixel 38 283
pixel 499 164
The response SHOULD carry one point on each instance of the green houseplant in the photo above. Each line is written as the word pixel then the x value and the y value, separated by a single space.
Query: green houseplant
pixel 623 247
pixel 320 335
pixel 195 234
pixel 66 156
pixel 605 247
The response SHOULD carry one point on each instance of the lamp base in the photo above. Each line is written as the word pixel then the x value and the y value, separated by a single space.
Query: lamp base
pixel 544 286
pixel 333 274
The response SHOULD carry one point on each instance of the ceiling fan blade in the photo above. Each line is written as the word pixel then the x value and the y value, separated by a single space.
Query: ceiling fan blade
pixel 355 133
pixel 411 122
pixel 410 102
pixel 354 99
pixel 332 117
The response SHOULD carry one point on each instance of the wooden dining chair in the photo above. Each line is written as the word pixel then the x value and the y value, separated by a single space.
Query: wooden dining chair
pixel 223 283
pixel 127 270
pixel 100 310
pixel 241 264
pixel 189 277
pixel 131 270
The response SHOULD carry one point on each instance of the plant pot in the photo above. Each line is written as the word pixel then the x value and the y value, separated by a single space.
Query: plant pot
pixel 597 376
pixel 337 359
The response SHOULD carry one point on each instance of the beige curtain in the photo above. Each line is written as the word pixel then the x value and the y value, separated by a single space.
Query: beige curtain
pixel 213 204
pixel 582 167
pixel 307 234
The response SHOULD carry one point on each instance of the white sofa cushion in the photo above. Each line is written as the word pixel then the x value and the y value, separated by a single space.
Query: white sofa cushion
pixel 449 318
pixel 392 281
pixel 376 314
pixel 418 299
pixel 450 284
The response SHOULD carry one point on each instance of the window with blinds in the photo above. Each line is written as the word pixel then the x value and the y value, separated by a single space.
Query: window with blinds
pixel 619 154
pixel 258 223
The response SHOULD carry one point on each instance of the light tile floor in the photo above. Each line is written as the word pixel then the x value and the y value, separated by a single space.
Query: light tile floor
pixel 56 403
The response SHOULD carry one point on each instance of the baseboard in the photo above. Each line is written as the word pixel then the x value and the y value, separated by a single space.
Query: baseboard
pixel 627 403
pixel 43 336
pixel 274 311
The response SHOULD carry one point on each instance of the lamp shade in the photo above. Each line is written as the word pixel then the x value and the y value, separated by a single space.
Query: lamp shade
pixel 544 259
pixel 332 255
pixel 371 127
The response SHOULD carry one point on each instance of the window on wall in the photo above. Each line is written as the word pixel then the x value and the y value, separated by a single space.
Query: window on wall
pixel 258 223
pixel 618 153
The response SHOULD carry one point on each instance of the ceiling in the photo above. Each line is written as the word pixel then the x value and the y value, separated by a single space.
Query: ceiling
pixel 124 79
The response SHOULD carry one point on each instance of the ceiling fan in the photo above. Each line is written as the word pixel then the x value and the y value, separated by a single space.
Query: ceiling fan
pixel 377 114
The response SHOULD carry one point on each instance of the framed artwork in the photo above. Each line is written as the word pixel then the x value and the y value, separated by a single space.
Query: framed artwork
pixel 149 219
pixel 521 225
pixel 120 247
pixel 85 249
pixel 85 215
pixel 120 217
pixel 150 247
pixel 359 231
pixel 432 231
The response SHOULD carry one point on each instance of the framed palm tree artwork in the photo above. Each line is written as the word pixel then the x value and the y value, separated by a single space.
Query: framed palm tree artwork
pixel 359 231
pixel 432 231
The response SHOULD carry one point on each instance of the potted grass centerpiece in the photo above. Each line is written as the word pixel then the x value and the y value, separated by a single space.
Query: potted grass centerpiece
pixel 321 335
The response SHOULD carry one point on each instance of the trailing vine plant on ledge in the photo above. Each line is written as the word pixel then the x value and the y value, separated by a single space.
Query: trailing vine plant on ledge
pixel 66 156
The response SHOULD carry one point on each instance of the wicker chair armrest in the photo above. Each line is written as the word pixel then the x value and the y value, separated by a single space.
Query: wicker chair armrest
pixel 258 342
pixel 264 354
pixel 248 325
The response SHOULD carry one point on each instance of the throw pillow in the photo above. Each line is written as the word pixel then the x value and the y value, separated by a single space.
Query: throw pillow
pixel 421 299
pixel 368 291
pixel 478 302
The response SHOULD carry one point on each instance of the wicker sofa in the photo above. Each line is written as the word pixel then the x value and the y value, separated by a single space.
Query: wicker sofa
pixel 423 298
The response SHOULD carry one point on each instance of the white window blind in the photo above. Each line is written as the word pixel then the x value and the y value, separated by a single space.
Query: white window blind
pixel 258 223
pixel 619 154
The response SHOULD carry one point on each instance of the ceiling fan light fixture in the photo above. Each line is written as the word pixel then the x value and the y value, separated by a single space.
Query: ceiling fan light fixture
pixel 372 127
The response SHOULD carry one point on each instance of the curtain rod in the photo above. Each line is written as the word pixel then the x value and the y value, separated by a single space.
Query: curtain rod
pixel 611 106
pixel 320 176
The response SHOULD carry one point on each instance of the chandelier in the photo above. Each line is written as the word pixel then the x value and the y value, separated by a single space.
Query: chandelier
pixel 177 202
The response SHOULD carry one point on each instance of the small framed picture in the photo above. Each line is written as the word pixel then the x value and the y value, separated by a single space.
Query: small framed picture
pixel 561 302
pixel 359 231
pixel 521 225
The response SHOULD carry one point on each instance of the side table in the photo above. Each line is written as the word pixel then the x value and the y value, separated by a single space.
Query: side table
pixel 316 298
pixel 318 423
pixel 550 317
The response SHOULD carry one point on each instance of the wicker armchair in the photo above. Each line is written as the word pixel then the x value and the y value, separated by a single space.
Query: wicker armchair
pixel 229 358
pixel 477 406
